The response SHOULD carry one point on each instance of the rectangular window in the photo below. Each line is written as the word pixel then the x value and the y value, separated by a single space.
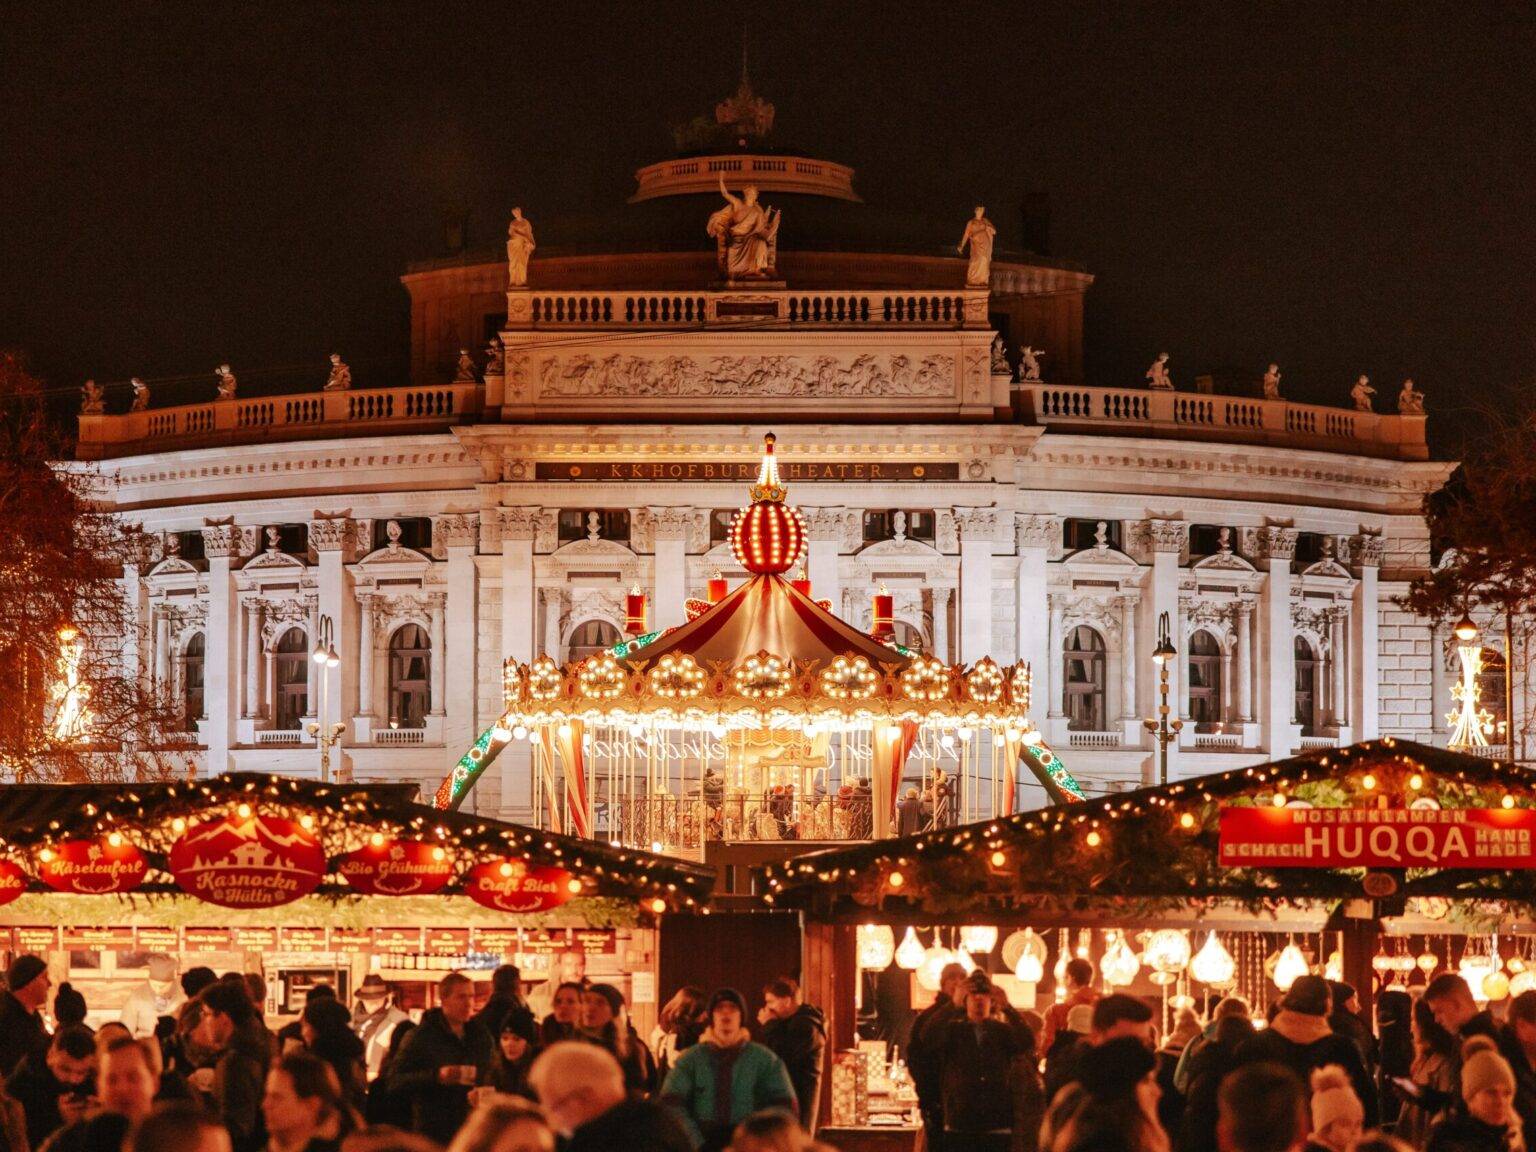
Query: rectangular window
pixel 877 527
pixel 191 545
pixel 293 539
pixel 415 532
pixel 576 523
pixel 720 525
pixel 1309 548
pixel 922 524
pixel 1204 539
pixel 1079 534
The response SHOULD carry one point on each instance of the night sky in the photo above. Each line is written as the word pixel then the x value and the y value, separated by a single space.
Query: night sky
pixel 1341 187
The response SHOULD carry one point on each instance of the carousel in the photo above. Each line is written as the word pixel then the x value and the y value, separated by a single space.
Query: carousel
pixel 766 717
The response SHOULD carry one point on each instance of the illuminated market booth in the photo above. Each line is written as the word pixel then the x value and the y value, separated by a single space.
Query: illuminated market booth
pixel 766 717
pixel 308 883
pixel 1379 864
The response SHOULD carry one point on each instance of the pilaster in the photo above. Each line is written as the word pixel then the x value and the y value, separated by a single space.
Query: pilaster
pixel 825 532
pixel 978 530
pixel 1365 622
pixel 671 566
pixel 220 660
pixel 333 538
pixel 1166 542
pixel 1277 546
pixel 1035 535
pixel 458 656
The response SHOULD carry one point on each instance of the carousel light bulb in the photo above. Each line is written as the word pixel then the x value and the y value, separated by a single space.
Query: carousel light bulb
pixel 656 847
pixel 1291 967
pixel 1213 964
pixel 519 732
pixel 501 734
pixel 717 731
pixel 178 825
pixel 910 954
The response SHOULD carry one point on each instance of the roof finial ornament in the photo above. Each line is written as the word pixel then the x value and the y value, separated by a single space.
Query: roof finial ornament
pixel 769 487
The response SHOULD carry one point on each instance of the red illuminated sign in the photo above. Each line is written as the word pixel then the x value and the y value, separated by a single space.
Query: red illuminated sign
pixel 513 886
pixel 1294 837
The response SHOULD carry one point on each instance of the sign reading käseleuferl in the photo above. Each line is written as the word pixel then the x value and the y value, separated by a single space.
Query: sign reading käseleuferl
pixel 1378 838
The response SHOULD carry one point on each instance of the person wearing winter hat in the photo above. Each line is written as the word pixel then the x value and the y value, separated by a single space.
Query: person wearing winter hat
pixel 1299 1038
pixel 605 1022
pixel 1338 1117
pixel 1486 1120
pixel 22 1032
pixel 726 1077
pixel 975 1057
pixel 1119 1102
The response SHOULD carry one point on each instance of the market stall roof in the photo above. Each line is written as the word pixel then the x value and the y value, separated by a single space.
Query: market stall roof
pixel 768 614
pixel 1159 846
pixel 344 817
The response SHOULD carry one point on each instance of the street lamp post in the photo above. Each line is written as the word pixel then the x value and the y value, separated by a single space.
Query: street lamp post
pixel 327 736
pixel 1164 730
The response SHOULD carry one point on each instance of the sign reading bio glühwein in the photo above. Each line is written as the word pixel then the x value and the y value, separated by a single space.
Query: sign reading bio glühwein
pixel 1377 837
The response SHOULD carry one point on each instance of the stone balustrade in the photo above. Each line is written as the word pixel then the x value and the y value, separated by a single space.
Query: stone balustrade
pixel 746 306
pixel 1228 419
pixel 309 415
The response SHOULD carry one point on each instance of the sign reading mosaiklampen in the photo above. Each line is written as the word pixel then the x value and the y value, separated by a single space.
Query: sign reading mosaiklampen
pixel 1378 838
pixel 744 471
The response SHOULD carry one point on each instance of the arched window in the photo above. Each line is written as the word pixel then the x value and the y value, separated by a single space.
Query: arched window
pixel 589 638
pixel 1306 687
pixel 291 669
pixel 909 636
pixel 1083 682
pixel 1205 686
pixel 1491 694
pixel 410 677
pixel 192 682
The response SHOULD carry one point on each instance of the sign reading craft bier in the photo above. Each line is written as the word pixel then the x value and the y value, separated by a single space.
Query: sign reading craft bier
pixel 744 471
pixel 255 862
pixel 1378 837
pixel 513 886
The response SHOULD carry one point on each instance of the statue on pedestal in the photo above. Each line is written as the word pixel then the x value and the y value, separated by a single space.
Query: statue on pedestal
pixel 466 368
pixel 980 233
pixel 745 235
pixel 140 395
pixel 1000 358
pixel 1361 394
pixel 1410 402
pixel 520 246
pixel 1029 363
pixel 340 378
pixel 227 382
pixel 1157 375
pixel 93 399
pixel 1272 382
pixel 495 363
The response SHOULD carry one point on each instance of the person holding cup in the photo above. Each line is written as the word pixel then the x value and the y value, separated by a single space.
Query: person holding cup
pixel 442 1060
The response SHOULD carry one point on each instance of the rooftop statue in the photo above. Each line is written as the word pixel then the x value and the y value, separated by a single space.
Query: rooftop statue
pixel 227 382
pixel 140 395
pixel 520 246
pixel 745 235
pixel 466 368
pixel 93 399
pixel 1029 362
pixel 1410 402
pixel 340 378
pixel 495 361
pixel 1272 382
pixel 1000 358
pixel 1361 394
pixel 980 234
pixel 1157 375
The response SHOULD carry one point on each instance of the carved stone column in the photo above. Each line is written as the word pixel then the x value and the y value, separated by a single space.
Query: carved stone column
pixel 978 527
pixel 1228 704
pixel 1338 625
pixel 671 566
pixel 1128 659
pixel 334 540
pixel 365 655
pixel 437 608
pixel 252 659
pixel 1245 661
pixel 311 669
pixel 1035 536
pixel 1277 546
pixel 1054 680
pixel 163 649
pixel 941 598
pixel 220 666
pixel 1365 618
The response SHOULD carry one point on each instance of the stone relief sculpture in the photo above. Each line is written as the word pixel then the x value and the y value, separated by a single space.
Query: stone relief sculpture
pixel 745 234
pixel 1272 382
pixel 638 376
pixel 1361 394
pixel 999 358
pixel 980 234
pixel 1410 402
pixel 93 399
pixel 465 372
pixel 1029 362
pixel 494 362
pixel 227 382
pixel 1157 375
pixel 520 246
pixel 340 378
pixel 140 395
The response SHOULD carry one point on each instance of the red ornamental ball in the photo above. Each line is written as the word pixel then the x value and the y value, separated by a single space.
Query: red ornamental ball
pixel 768 536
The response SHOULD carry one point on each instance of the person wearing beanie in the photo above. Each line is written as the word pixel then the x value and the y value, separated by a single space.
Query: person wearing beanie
pixel 517 1044
pixel 604 1022
pixel 976 1054
pixel 1299 1038
pixel 1485 1119
pixel 726 1077
pixel 923 1056
pixel 1118 1101
pixel 1338 1117
pixel 22 1033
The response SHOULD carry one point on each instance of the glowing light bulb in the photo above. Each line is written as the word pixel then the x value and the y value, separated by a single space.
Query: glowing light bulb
pixel 1291 967
pixel 115 839
pixel 1213 964
pixel 658 905
pixel 244 811
pixel 999 859
pixel 1415 781
pixel 1368 782
pixel 909 955
pixel 1508 801
pixel 895 879
pixel 377 839
pixel 573 886
pixel 1187 820
pixel 1093 839
pixel 505 869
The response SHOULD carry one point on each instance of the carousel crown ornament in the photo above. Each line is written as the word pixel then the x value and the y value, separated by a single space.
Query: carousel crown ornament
pixel 768 536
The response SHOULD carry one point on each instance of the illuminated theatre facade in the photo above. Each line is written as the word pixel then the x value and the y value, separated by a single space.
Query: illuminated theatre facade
pixel 446 525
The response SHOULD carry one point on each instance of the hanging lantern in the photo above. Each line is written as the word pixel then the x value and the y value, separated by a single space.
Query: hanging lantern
pixel 978 938
pixel 1019 943
pixel 876 946
pixel 1522 982
pixel 1333 969
pixel 1495 986
pixel 910 954
pixel 1427 962
pixel 1119 964
pixel 931 971
pixel 1381 963
pixel 1029 970
pixel 1291 966
pixel 1213 964
pixel 1168 950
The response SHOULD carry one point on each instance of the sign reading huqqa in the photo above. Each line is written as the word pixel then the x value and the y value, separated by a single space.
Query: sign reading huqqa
pixel 252 862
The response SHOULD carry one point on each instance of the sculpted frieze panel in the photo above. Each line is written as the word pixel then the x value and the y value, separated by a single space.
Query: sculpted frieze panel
pixel 748 375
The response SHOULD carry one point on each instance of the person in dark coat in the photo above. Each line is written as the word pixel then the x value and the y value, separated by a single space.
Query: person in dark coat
pixel 387 1108
pixel 1345 1019
pixel 22 1032
pixel 129 1085
pixel 1207 1068
pixel 1299 1038
pixel 976 1055
pixel 1112 1017
pixel 922 1051
pixel 326 1029
pixel 564 1019
pixel 506 998
pixel 517 1046
pixel 54 1091
pixel 1484 1120
pixel 796 1033
pixel 605 1022
pixel 582 1088
pixel 1262 1107
pixel 1517 1044
pixel 229 1026
pixel 1394 1012
pixel 290 1037
pixel 447 1055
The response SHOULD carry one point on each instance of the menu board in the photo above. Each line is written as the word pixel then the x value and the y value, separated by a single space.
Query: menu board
pixel 206 939
pixel 498 940
pixel 351 939
pixel 304 940
pixel 158 939
pixel 397 939
pixel 36 939
pixel 256 938
pixel 113 939
pixel 447 941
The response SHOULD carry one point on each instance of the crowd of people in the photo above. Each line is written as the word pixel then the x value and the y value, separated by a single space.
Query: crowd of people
pixel 1439 1073
pixel 208 1075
